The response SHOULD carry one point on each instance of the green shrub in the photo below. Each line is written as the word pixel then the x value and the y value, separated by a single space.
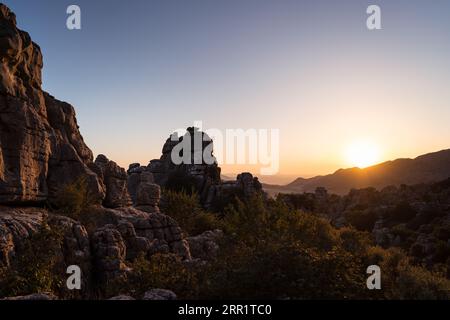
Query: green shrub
pixel 254 220
pixel 402 212
pixel 74 198
pixel 186 210
pixel 37 267
pixel 164 271
pixel 363 220
pixel 403 280
pixel 271 251
pixel 298 201
pixel 181 181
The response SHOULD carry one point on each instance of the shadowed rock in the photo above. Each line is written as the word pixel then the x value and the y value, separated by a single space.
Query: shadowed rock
pixel 114 179
pixel 41 148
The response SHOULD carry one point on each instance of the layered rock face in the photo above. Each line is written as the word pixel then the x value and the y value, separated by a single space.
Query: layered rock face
pixel 205 246
pixel 114 179
pixel 41 148
pixel 195 171
pixel 17 225
pixel 144 193
pixel 120 235
pixel 126 233
pixel 41 152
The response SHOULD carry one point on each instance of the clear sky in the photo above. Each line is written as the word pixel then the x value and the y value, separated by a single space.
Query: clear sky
pixel 140 69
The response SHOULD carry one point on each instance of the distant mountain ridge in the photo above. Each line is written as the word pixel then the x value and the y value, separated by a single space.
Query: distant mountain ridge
pixel 431 167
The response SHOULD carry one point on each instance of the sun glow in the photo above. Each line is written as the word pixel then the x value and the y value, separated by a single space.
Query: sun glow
pixel 362 154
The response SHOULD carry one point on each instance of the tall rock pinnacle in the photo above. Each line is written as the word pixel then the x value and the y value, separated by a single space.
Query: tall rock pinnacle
pixel 41 148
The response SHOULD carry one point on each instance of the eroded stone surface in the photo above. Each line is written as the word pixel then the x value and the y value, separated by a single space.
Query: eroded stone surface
pixel 41 148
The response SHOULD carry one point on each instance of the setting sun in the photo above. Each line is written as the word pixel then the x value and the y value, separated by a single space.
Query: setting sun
pixel 363 154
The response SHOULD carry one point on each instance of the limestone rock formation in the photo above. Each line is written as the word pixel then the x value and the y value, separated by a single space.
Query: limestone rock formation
pixel 114 179
pixel 196 172
pixel 205 246
pixel 76 248
pixel 161 232
pixel 41 152
pixel 110 253
pixel 126 233
pixel 199 172
pixel 41 148
pixel 136 174
pixel 143 191
pixel 17 225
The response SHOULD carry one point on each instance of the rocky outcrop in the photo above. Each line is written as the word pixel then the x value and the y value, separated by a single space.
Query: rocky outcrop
pixel 147 233
pixel 110 252
pixel 148 194
pixel 195 172
pixel 205 246
pixel 41 148
pixel 248 184
pixel 17 225
pixel 126 233
pixel 144 192
pixel 198 172
pixel 135 172
pixel 75 248
pixel 120 236
pixel 114 179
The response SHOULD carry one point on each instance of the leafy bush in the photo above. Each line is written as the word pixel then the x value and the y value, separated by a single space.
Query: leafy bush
pixel 403 212
pixel 403 280
pixel 361 219
pixel 74 198
pixel 181 181
pixel 37 267
pixel 186 210
pixel 298 201
pixel 272 251
pixel 165 271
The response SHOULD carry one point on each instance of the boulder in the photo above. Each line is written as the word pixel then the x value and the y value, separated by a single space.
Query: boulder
pixel 148 196
pixel 205 246
pixel 109 253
